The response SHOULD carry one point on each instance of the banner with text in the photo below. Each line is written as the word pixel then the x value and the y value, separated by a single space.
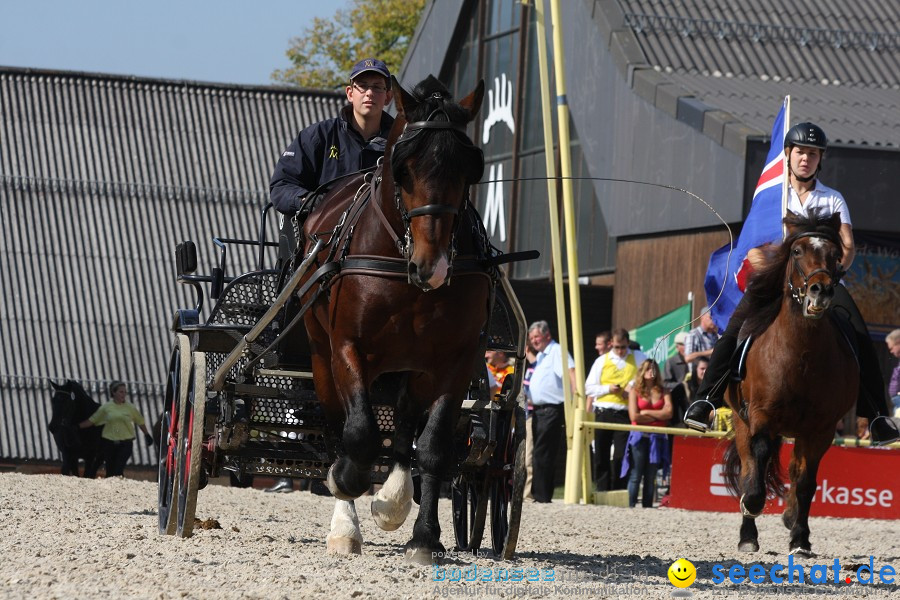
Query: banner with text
pixel 853 482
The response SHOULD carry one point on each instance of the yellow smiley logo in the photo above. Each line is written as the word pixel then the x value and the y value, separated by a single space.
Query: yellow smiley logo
pixel 682 573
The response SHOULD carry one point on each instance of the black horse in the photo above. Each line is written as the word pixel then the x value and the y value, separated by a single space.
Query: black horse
pixel 70 405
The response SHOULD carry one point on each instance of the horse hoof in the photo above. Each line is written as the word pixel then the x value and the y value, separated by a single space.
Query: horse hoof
pixel 802 552
pixel 420 556
pixel 386 519
pixel 342 546
pixel 748 546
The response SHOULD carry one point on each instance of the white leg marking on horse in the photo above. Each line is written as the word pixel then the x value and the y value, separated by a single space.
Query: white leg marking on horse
pixel 345 536
pixel 392 503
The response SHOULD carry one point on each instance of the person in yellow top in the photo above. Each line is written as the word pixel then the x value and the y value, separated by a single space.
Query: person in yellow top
pixel 607 387
pixel 118 419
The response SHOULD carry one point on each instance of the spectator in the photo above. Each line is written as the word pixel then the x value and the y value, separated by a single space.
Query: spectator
pixel 498 365
pixel 696 378
pixel 893 343
pixel 118 419
pixel 530 361
pixel 674 372
pixel 608 383
pixel 602 342
pixel 701 339
pixel 548 417
pixel 648 404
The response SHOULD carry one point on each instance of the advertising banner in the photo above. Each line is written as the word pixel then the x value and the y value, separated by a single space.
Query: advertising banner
pixel 853 482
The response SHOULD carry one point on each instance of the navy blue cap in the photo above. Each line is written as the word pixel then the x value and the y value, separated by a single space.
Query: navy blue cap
pixel 370 64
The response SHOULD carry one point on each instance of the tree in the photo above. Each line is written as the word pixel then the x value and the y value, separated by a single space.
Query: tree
pixel 323 56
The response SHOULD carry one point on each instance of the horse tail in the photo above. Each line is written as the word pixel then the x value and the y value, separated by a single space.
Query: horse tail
pixel 774 470
pixel 732 470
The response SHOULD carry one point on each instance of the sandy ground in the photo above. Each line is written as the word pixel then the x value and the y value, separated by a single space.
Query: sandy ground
pixel 72 538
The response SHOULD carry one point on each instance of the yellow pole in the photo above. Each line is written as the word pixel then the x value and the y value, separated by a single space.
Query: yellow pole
pixel 547 118
pixel 576 452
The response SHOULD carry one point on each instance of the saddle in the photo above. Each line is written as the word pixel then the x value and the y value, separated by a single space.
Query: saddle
pixel 738 365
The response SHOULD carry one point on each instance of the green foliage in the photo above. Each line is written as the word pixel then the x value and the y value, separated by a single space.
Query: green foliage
pixel 326 51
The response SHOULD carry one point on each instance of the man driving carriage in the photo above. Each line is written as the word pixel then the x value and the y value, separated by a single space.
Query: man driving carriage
pixel 327 150
pixel 804 146
pixel 350 142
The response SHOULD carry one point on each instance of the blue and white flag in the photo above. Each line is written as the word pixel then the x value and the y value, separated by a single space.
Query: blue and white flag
pixel 763 225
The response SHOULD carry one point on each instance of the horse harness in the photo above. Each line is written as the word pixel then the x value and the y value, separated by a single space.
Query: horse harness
pixel 798 293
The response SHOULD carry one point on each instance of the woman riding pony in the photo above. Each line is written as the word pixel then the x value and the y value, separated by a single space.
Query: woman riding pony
pixel 804 146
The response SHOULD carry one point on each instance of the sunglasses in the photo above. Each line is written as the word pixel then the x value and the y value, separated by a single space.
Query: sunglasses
pixel 364 87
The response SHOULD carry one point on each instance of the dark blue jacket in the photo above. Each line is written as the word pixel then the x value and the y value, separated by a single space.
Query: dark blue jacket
pixel 322 152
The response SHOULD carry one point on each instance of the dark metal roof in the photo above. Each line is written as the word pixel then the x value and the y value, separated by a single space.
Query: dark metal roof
pixel 100 177
pixel 839 61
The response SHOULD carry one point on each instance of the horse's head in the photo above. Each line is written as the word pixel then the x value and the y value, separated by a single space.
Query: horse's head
pixel 813 262
pixel 432 162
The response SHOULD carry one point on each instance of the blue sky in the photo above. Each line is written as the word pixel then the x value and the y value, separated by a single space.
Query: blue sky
pixel 229 41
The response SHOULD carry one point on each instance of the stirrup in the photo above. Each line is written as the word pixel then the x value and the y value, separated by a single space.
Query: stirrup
pixel 887 433
pixel 701 426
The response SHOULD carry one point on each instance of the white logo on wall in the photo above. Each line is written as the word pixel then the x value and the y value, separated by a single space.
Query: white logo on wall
pixel 499 107
pixel 494 209
pixel 500 99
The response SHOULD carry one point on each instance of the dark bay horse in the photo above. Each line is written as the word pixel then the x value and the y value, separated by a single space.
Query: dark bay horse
pixel 801 377
pixel 408 309
pixel 70 405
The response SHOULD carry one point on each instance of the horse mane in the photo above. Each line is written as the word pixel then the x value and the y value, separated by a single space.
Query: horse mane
pixel 438 156
pixel 765 289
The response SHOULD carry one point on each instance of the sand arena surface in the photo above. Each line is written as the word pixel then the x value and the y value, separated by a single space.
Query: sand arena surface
pixel 72 538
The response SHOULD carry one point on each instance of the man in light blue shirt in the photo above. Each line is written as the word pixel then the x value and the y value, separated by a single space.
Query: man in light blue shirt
pixel 547 397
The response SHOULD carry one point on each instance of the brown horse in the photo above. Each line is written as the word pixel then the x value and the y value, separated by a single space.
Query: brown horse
pixel 801 377
pixel 392 311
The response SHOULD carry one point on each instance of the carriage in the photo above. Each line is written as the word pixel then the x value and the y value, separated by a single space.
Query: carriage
pixel 238 402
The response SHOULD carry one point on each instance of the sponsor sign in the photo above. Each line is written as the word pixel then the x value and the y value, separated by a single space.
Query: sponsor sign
pixel 853 482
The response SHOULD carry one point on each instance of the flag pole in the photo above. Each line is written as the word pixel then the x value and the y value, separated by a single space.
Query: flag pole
pixel 786 169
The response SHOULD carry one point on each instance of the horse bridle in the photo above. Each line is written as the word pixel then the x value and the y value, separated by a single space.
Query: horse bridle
pixel 410 131
pixel 798 293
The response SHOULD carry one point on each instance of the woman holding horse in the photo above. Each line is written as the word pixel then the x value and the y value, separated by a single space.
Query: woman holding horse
pixel 804 146
pixel 118 419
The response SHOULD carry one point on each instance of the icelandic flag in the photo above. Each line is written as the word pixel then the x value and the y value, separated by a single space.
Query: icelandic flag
pixel 763 225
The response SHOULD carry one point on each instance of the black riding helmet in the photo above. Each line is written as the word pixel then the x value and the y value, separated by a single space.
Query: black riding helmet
pixel 806 134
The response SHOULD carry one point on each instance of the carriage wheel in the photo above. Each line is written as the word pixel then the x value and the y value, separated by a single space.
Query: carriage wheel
pixel 470 500
pixel 189 458
pixel 170 442
pixel 507 486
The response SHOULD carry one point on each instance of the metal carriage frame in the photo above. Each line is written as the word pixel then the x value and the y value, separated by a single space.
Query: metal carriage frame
pixel 235 403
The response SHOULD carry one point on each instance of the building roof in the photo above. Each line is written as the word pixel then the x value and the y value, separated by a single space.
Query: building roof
pixel 839 61
pixel 100 177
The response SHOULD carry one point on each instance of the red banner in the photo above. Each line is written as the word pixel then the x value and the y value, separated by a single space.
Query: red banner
pixel 853 482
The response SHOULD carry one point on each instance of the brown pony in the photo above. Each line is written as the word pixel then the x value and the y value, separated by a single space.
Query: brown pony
pixel 393 312
pixel 801 377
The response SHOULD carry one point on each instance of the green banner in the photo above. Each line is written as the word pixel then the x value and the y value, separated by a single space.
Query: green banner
pixel 657 337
